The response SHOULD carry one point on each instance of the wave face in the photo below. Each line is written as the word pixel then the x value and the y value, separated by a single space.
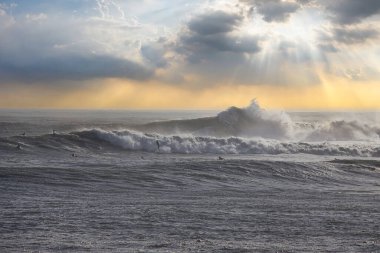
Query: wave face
pixel 137 141
pixel 252 121
pixel 128 140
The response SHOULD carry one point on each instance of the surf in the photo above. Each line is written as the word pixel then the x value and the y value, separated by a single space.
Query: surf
pixel 247 130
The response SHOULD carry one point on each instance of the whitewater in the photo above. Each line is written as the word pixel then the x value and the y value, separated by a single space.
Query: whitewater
pixel 239 180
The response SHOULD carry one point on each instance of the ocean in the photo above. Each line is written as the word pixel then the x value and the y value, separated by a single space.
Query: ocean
pixel 239 180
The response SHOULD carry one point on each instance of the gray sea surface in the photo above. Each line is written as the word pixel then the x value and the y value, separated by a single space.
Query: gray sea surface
pixel 243 180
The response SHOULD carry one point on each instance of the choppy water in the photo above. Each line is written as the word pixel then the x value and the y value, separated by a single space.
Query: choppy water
pixel 291 182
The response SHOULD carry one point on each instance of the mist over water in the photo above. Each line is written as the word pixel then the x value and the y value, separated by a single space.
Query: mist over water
pixel 240 180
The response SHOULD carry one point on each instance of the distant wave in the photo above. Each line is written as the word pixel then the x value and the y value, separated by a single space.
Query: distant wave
pixel 254 121
pixel 137 141
pixel 97 139
pixel 343 131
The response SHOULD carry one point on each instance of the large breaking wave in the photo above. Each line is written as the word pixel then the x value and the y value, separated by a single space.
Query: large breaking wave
pixel 250 130
pixel 256 122
pixel 137 141
pixel 252 121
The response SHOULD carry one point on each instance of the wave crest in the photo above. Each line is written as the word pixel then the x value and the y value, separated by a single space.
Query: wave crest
pixel 137 141
pixel 344 131
pixel 253 121
pixel 256 122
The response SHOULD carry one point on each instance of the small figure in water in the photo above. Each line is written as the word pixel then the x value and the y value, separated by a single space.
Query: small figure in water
pixel 18 146
pixel 74 155
pixel 54 132
pixel 220 158
pixel 23 134
pixel 158 145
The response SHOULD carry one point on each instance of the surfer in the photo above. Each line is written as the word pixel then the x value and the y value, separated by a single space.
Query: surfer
pixel 158 145
pixel 220 158
pixel 18 146
pixel 23 134
pixel 54 132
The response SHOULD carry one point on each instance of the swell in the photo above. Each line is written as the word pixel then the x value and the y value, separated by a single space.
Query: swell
pixel 239 175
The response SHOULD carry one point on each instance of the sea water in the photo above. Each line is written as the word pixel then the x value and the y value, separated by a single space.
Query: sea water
pixel 240 180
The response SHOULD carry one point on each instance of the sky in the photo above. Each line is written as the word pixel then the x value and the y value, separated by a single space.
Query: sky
pixel 177 54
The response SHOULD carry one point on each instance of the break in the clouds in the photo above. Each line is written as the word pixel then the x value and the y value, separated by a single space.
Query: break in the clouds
pixel 188 43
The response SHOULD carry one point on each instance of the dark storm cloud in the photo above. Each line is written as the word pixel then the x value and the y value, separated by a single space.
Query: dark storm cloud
pixel 343 12
pixel 226 55
pixel 218 45
pixel 274 10
pixel 196 44
pixel 45 51
pixel 214 22
pixel 331 40
pixel 277 11
pixel 354 36
pixel 305 1
pixel 211 47
pixel 200 46
pixel 72 67
pixel 154 54
pixel 347 12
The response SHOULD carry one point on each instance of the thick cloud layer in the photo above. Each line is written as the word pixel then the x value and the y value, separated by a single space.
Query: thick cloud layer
pixel 274 10
pixel 35 48
pixel 215 22
pixel 354 36
pixel 250 42
pixel 72 67
pixel 352 11
pixel 211 45
pixel 344 12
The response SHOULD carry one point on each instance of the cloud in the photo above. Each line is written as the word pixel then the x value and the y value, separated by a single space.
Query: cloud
pixel 226 54
pixel 108 9
pixel 73 67
pixel 211 47
pixel 346 12
pixel 328 47
pixel 215 22
pixel 36 17
pixel 212 34
pixel 218 43
pixel 154 53
pixel 331 39
pixel 82 49
pixel 279 11
pixel 274 10
pixel 342 12
pixel 354 36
